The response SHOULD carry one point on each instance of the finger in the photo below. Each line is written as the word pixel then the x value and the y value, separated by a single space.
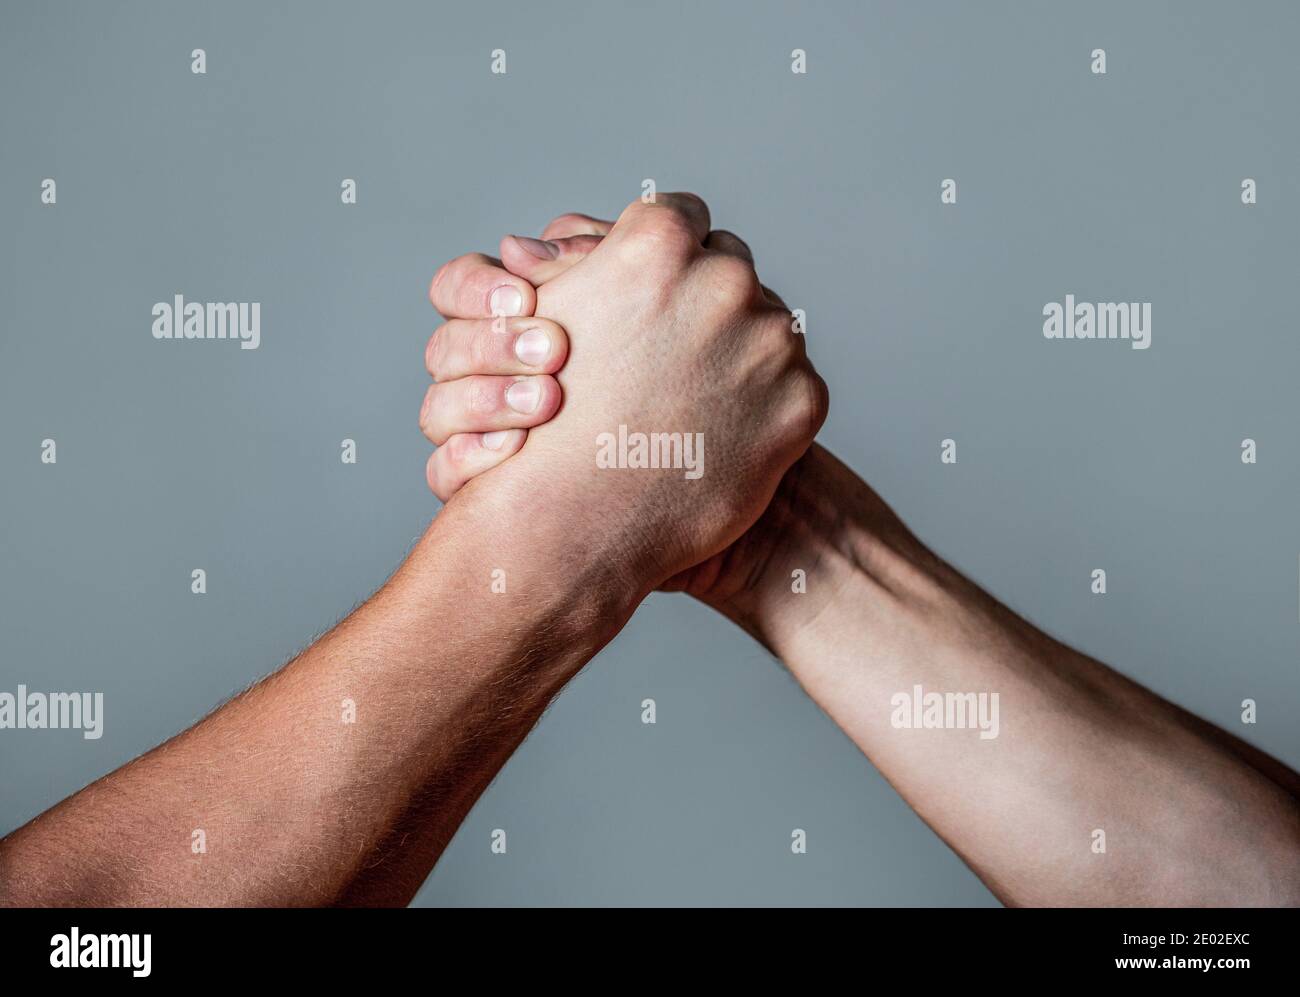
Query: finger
pixel 686 210
pixel 537 260
pixel 467 455
pixel 723 241
pixel 575 224
pixel 476 286
pixel 467 346
pixel 482 404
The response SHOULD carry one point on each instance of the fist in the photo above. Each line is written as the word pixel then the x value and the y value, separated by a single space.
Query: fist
pixel 686 395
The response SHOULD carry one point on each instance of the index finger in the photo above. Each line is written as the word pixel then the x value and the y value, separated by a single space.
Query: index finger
pixel 477 286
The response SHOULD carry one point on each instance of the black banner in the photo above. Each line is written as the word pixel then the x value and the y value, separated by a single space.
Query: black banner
pixel 142 947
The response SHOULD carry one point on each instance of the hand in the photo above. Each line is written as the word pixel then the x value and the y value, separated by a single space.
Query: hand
pixel 493 363
pixel 746 575
pixel 477 348
pixel 660 296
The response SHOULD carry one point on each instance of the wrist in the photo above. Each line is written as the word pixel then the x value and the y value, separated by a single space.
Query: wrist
pixel 827 540
pixel 538 554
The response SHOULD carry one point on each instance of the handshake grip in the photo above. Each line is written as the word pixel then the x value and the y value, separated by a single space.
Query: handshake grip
pixel 639 363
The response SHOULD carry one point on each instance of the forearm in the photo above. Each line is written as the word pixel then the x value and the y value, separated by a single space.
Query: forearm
pixel 342 777
pixel 1190 814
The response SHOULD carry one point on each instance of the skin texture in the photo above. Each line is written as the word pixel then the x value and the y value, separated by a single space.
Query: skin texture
pixel 299 807
pixel 1192 815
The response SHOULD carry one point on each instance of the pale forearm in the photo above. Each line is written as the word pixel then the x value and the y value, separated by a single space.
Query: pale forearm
pixel 1190 815
pixel 341 778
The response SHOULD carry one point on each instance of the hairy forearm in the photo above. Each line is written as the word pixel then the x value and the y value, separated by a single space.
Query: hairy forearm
pixel 1190 814
pixel 342 777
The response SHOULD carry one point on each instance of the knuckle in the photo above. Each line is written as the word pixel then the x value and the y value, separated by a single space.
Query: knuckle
pixel 735 244
pixel 670 220
pixel 435 282
pixel 635 208
pixel 733 278
pixel 664 237
pixel 481 396
pixel 443 478
pixel 425 407
pixel 730 287
pixel 458 448
pixel 481 348
pixel 435 353
pixel 776 353
pixel 444 274
pixel 810 403
pixel 775 326
pixel 442 287
pixel 432 416
pixel 820 400
pixel 686 197
pixel 431 473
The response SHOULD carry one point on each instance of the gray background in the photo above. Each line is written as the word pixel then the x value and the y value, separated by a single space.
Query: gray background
pixel 925 319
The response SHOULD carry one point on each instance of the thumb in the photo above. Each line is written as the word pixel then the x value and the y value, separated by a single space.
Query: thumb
pixel 537 260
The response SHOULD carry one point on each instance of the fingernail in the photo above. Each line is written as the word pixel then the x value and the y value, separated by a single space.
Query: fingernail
pixel 532 347
pixel 506 300
pixel 542 250
pixel 523 396
pixel 493 441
